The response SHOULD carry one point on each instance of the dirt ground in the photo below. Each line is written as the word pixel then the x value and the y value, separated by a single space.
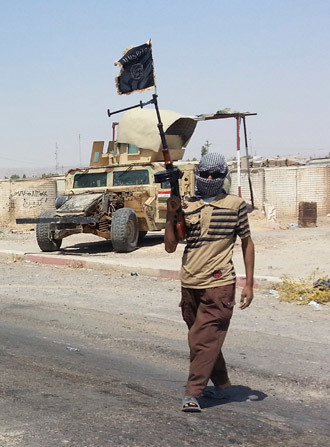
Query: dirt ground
pixel 290 250
pixel 99 358
pixel 286 250
pixel 92 358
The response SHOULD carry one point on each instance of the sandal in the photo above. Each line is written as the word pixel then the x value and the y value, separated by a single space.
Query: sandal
pixel 190 405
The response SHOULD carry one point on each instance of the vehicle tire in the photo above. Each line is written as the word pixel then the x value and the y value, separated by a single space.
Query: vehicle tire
pixel 124 230
pixel 142 235
pixel 42 232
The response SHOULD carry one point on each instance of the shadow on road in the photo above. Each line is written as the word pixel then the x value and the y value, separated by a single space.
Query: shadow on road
pixel 236 393
pixel 87 248
pixel 105 246
pixel 152 239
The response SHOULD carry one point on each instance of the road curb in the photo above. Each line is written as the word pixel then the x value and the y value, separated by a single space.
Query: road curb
pixel 72 261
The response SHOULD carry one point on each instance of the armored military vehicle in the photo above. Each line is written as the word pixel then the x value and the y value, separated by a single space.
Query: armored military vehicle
pixel 116 197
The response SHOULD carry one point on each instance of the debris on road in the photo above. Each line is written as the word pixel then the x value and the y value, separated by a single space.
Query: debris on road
pixel 71 348
pixel 315 305
pixel 273 292
pixel 322 284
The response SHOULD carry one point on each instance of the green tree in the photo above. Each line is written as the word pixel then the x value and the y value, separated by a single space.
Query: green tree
pixel 14 177
pixel 205 148
pixel 44 175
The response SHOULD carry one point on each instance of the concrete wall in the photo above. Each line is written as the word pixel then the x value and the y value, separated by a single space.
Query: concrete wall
pixel 27 198
pixel 284 187
pixel 258 186
pixel 314 181
pixel 281 188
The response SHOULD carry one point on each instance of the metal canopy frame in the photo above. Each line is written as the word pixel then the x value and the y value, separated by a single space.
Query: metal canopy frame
pixel 239 116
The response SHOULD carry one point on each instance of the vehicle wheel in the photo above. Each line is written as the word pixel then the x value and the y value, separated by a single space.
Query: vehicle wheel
pixel 142 235
pixel 45 242
pixel 124 230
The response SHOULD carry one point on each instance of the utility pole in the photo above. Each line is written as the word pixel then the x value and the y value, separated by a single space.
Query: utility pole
pixel 251 149
pixel 56 158
pixel 79 151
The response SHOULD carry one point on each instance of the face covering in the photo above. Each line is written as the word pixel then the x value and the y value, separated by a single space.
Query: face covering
pixel 210 163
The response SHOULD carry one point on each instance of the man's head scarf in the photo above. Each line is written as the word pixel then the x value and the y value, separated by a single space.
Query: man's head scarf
pixel 205 187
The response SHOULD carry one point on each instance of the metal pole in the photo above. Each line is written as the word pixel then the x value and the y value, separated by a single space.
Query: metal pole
pixel 172 173
pixel 141 104
pixel 248 164
pixel 114 124
pixel 56 158
pixel 165 150
pixel 79 151
pixel 238 123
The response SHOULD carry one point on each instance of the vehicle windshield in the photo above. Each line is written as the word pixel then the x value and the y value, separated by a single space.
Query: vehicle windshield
pixel 90 180
pixel 129 177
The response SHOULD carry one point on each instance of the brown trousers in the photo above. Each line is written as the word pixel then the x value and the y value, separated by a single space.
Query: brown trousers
pixel 207 313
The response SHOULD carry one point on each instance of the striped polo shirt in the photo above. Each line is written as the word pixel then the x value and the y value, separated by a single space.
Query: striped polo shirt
pixel 212 229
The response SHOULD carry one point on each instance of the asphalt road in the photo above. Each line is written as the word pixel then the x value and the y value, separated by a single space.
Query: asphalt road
pixel 94 359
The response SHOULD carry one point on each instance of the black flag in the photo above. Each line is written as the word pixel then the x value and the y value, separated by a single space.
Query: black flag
pixel 137 70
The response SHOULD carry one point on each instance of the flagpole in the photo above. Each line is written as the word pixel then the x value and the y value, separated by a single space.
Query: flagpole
pixel 172 173
pixel 137 74
pixel 166 152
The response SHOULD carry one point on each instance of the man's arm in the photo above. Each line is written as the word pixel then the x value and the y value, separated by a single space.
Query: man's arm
pixel 171 237
pixel 248 256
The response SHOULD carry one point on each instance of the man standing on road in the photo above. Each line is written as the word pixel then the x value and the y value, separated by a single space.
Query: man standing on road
pixel 213 220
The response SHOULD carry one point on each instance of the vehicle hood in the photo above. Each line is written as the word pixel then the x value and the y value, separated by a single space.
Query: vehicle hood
pixel 79 203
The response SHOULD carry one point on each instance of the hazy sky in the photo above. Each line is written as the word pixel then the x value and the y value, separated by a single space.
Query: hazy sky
pixel 266 56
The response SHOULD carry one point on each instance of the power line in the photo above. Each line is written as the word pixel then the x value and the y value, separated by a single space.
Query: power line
pixel 41 163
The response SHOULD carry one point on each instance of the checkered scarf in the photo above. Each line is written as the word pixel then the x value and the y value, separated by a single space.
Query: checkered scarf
pixel 205 187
